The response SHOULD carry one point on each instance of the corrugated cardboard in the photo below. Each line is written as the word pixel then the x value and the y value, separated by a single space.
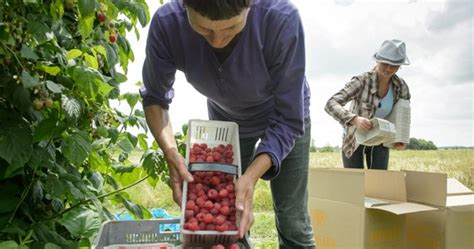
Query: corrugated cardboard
pixel 452 225
pixel 359 208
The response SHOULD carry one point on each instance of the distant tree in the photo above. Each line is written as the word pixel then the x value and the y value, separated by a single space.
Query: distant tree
pixel 421 144
pixel 326 148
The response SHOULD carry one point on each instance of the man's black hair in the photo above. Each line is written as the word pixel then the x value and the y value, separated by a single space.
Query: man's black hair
pixel 218 9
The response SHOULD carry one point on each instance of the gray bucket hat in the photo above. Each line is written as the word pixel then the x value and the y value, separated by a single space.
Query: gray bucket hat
pixel 392 52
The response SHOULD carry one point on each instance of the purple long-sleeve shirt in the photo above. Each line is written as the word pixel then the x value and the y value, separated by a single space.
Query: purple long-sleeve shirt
pixel 261 85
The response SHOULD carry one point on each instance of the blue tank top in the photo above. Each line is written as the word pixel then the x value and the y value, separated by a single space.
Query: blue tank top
pixel 385 105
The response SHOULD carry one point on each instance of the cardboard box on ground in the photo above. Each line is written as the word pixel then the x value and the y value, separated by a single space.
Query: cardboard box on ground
pixel 353 208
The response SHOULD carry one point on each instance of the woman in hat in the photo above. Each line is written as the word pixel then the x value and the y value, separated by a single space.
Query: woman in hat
pixel 373 94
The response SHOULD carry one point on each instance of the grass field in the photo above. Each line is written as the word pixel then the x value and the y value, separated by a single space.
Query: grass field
pixel 455 163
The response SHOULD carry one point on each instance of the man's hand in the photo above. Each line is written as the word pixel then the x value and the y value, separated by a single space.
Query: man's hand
pixel 362 123
pixel 178 173
pixel 158 121
pixel 244 190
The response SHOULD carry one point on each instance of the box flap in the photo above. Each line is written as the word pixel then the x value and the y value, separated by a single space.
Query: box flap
pixel 404 208
pixel 337 185
pixel 385 184
pixel 372 202
pixel 457 188
pixel 460 200
pixel 426 187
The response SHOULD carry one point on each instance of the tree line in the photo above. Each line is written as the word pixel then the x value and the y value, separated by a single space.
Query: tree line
pixel 415 144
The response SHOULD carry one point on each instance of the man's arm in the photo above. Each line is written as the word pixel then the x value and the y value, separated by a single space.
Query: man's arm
pixel 160 126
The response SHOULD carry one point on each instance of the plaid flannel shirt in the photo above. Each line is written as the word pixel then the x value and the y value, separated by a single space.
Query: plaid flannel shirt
pixel 362 91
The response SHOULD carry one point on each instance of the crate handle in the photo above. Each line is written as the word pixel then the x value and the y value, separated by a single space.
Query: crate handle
pixel 212 166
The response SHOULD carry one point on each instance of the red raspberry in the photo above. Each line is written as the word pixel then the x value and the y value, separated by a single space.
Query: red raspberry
pixel 223 193
pixel 208 218
pixel 215 180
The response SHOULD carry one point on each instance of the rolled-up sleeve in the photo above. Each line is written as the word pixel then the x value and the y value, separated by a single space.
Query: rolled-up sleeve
pixel 335 105
pixel 288 75
pixel 158 71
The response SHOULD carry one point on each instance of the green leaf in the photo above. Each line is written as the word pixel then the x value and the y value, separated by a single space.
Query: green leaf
pixel 133 139
pixel 75 191
pixel 56 9
pixel 123 59
pixel 102 131
pixel 120 78
pixel 97 163
pixel 101 50
pixel 72 107
pixel 97 180
pixel 54 70
pixel 142 141
pixel 53 87
pixel 28 53
pixel 111 55
pixel 134 209
pixel 89 82
pixel 15 141
pixel 54 186
pixel 113 134
pixel 28 80
pixel 112 10
pixel 81 222
pixel 40 31
pixel 86 25
pixel 48 129
pixel 141 12
pixel 91 61
pixel 51 246
pixel 86 8
pixel 76 147
pixel 21 97
pixel 45 233
pixel 132 99
pixel 10 244
pixel 73 53
pixel 124 144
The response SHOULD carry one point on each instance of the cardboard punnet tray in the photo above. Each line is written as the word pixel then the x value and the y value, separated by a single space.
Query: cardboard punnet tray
pixel 212 133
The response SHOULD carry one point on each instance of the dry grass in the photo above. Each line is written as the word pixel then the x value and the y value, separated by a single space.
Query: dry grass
pixel 455 163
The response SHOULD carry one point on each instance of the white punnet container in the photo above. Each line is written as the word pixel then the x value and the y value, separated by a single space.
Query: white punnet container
pixel 212 133
pixel 383 131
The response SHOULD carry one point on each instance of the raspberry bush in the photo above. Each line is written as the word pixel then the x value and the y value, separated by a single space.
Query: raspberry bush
pixel 63 148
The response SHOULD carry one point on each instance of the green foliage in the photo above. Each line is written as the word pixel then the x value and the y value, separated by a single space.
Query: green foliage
pixel 421 144
pixel 326 148
pixel 63 148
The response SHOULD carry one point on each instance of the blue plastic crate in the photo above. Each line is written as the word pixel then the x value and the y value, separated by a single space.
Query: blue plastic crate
pixel 158 213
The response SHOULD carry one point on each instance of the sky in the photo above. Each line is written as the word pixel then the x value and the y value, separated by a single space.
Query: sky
pixel 342 35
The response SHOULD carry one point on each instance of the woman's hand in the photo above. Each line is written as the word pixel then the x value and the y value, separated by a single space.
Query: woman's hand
pixel 362 123
pixel 178 173
pixel 400 146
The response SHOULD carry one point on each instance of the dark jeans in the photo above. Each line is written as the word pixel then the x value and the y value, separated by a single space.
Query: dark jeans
pixel 289 192
pixel 376 157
